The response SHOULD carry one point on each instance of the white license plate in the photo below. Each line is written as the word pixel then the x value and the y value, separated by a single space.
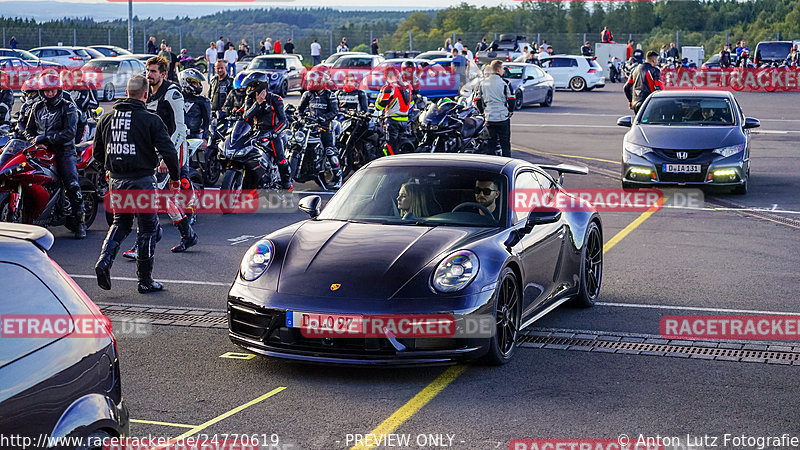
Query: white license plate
pixel 338 323
pixel 682 168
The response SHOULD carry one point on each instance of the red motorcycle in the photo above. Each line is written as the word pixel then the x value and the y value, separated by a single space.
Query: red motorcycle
pixel 31 191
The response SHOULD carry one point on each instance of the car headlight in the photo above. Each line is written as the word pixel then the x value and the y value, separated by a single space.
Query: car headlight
pixel 257 259
pixel 274 76
pixel 637 150
pixel 455 271
pixel 729 151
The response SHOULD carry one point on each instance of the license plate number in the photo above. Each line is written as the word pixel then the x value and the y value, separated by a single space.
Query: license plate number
pixel 682 168
pixel 337 323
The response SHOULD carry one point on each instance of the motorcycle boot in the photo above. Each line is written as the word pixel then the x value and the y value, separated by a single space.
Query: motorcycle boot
pixel 133 252
pixel 75 222
pixel 188 236
pixel 107 254
pixel 146 243
pixel 333 157
pixel 286 176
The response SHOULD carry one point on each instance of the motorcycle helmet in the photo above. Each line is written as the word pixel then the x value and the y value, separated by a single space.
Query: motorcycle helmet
pixel 255 82
pixel 191 81
pixel 50 80
pixel 238 82
pixel 30 90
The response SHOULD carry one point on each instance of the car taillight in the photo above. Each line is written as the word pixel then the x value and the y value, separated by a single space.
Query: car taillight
pixel 76 58
pixel 95 310
pixel 591 70
pixel 508 57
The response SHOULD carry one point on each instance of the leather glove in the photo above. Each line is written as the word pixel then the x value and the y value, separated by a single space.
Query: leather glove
pixel 41 140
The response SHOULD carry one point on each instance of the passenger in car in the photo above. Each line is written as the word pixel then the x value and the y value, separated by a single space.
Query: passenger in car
pixel 412 201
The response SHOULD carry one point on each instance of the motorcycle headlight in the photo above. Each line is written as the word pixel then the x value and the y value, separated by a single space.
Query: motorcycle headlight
pixel 637 150
pixel 455 271
pixel 299 136
pixel 257 259
pixel 729 151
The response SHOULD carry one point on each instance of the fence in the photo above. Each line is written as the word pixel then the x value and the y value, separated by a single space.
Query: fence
pixel 197 41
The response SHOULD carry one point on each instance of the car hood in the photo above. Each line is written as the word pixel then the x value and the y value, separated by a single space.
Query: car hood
pixel 680 137
pixel 367 260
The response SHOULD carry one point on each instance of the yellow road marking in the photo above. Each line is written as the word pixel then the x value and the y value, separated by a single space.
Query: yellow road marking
pixel 540 152
pixel 166 424
pixel 426 395
pixel 416 403
pixel 235 355
pixel 224 416
pixel 632 226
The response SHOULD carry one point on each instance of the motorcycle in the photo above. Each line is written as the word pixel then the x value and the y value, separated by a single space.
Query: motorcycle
pixel 629 66
pixel 31 191
pixel 452 127
pixel 360 141
pixel 308 159
pixel 240 148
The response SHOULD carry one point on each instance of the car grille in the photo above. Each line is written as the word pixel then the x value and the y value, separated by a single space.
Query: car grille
pixel 673 154
pixel 249 323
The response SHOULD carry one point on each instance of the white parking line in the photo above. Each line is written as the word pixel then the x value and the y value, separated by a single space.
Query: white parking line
pixel 199 283
pixel 698 308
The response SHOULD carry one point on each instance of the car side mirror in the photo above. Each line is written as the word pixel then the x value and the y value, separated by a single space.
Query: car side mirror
pixel 751 122
pixel 310 205
pixel 542 218
pixel 625 121
pixel 529 77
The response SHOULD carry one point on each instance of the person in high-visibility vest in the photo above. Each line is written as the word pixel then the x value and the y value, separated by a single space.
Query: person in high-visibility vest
pixel 394 100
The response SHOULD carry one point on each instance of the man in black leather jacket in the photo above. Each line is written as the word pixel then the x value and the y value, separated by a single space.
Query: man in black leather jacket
pixel 126 143
pixel 53 122
pixel 645 80
pixel 265 110
pixel 6 103
pixel 197 109
pixel 220 86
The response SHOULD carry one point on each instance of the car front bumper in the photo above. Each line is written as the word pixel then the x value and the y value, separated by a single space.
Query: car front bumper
pixel 648 171
pixel 257 322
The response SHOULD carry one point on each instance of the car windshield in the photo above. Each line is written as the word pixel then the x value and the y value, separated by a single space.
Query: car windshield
pixel 104 65
pixel 268 64
pixel 513 72
pixel 688 111
pixel 427 196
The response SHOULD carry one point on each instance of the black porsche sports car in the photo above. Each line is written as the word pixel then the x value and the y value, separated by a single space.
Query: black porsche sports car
pixel 410 237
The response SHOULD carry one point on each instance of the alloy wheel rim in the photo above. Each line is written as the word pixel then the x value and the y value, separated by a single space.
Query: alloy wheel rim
pixel 506 320
pixel 593 264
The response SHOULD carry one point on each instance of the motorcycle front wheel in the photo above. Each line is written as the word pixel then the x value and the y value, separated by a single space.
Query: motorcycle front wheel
pixel 232 182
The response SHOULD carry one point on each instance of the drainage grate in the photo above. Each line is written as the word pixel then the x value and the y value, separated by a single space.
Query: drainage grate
pixel 168 316
pixel 765 215
pixel 609 343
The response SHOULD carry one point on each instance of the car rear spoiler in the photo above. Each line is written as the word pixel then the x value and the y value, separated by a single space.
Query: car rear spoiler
pixel 565 168
pixel 37 235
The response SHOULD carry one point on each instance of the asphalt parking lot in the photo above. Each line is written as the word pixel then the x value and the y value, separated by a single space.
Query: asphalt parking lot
pixel 734 255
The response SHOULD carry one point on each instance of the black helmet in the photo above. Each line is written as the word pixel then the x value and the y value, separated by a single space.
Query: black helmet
pixel 255 82
pixel 407 65
pixel 191 81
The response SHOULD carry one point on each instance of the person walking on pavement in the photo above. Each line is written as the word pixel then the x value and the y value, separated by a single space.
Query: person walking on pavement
pixel 495 99
pixel 128 143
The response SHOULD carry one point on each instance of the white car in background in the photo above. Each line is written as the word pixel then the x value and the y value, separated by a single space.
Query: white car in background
pixel 66 56
pixel 577 73
pixel 116 73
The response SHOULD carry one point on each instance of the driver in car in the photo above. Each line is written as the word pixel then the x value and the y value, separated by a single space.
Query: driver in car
pixel 486 194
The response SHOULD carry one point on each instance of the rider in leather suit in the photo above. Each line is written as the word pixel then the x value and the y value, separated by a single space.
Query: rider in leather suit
pixel 53 122
pixel 197 109
pixel 318 102
pixel 266 112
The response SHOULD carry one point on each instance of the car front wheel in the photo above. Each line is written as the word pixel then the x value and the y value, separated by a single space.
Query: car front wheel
pixel 507 320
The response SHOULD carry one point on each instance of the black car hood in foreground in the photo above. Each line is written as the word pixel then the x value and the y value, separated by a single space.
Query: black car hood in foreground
pixel 367 260
pixel 686 137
